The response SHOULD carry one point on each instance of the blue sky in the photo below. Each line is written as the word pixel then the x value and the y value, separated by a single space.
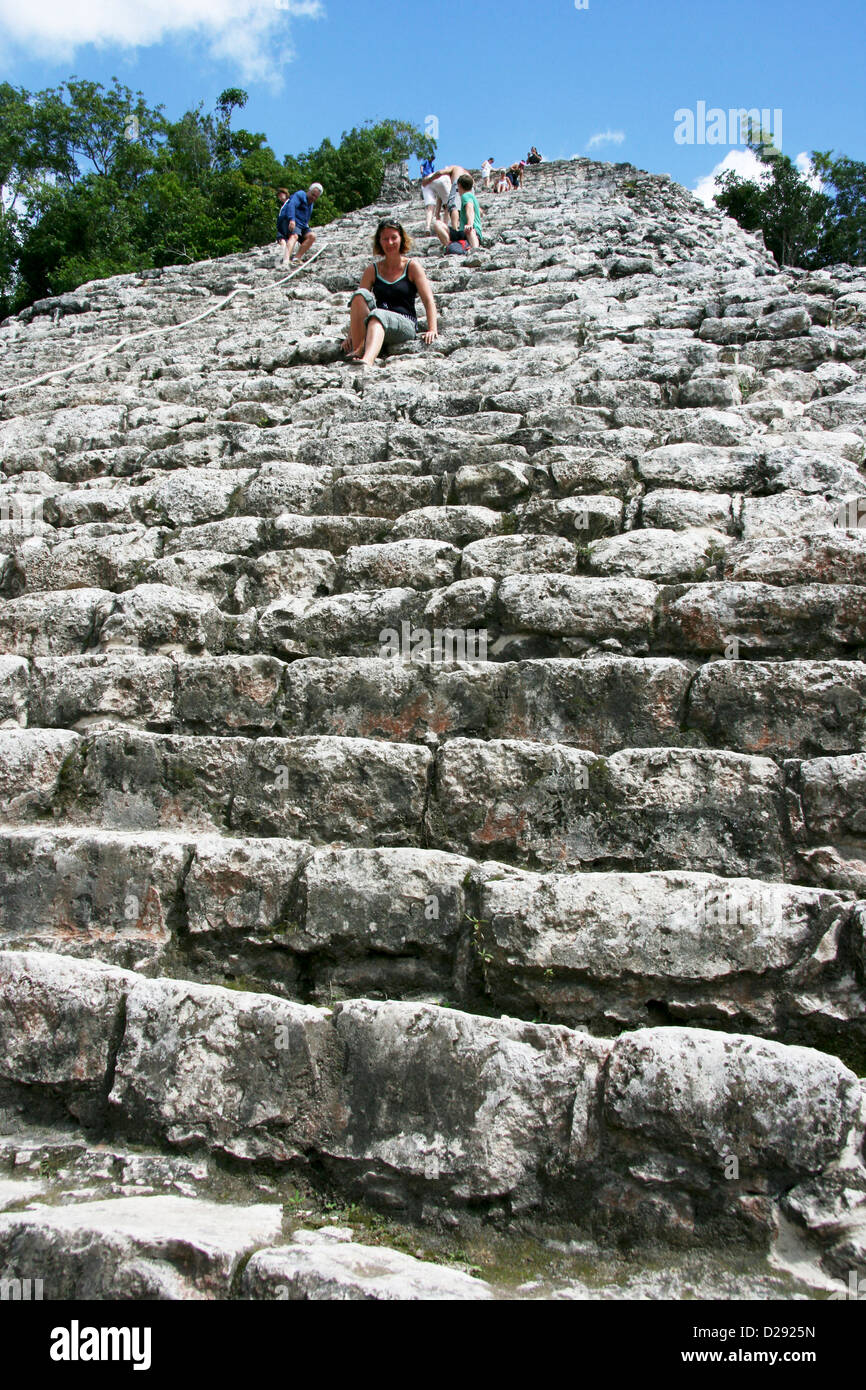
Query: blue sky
pixel 498 75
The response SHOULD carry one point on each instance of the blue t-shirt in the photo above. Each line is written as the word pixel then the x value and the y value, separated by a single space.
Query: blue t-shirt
pixel 299 210
pixel 427 168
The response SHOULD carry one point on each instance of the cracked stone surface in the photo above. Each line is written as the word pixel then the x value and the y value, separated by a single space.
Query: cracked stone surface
pixel 446 779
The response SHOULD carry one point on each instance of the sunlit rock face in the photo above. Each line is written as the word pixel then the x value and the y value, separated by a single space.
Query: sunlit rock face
pixel 444 781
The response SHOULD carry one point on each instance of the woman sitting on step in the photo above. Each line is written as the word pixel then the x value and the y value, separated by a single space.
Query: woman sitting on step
pixel 383 308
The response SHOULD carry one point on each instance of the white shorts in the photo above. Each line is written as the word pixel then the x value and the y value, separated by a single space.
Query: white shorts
pixel 439 188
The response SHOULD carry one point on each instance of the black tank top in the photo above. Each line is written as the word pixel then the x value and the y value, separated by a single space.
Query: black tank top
pixel 397 295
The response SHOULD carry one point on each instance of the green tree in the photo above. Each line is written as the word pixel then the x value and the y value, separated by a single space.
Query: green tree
pixel 781 204
pixel 845 233
pixel 352 172
pixel 96 183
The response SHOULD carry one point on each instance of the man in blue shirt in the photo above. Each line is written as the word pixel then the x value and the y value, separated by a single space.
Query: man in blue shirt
pixel 293 223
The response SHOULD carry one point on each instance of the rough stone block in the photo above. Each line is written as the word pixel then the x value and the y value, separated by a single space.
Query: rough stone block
pixel 244 1074
pixel 103 894
pixel 59 1023
pixel 640 808
pixel 102 691
pixel 137 1248
pixel 53 624
pixel 463 1108
pixel 783 1112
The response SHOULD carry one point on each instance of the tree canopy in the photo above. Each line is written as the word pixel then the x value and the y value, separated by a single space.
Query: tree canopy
pixel 803 225
pixel 94 182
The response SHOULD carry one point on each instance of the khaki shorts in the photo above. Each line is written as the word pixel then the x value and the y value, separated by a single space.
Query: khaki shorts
pixel 398 328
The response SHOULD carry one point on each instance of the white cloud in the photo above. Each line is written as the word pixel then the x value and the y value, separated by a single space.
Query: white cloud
pixel 605 137
pixel 804 164
pixel 252 34
pixel 743 162
pixel 747 164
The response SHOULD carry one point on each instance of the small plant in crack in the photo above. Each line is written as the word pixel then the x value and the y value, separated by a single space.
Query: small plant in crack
pixel 483 955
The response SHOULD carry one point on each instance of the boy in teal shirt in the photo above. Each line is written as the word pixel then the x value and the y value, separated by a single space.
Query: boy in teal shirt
pixel 470 212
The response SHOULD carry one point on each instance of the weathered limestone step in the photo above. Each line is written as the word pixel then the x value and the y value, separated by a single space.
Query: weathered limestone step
pixel 573 614
pixel 548 614
pixel 668 557
pixel 834 557
pixel 594 704
pixel 148 617
pixel 296 921
pixel 117 558
pixel 316 1266
pixel 803 620
pixel 228 470
pixel 418 1106
pixel 137 1247
pixel 604 950
pixel 220 695
pixel 827 798
pixel 553 806
pixel 100 555
pixel 821 464
pixel 355 789
pixel 533 803
pixel 394 471
pixel 63 1165
pixel 337 1262
pixel 174 1248
pixel 611 951
pixel 538 615
pixel 783 709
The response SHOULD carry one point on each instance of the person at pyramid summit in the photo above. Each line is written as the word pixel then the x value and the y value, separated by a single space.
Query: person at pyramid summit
pixel 293 223
pixel 534 157
pixel 383 307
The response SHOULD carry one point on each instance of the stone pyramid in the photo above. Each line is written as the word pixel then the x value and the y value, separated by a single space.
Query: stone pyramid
pixel 445 783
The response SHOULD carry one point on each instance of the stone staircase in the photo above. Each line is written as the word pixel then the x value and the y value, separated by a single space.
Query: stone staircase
pixel 573 931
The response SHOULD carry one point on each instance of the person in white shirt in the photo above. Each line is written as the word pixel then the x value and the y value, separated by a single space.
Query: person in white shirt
pixel 435 197
pixel 452 172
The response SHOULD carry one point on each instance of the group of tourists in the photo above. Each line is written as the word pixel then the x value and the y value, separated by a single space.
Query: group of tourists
pixel 382 309
pixel 509 178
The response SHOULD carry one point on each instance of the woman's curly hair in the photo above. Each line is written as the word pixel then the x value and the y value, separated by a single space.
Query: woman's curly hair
pixel 405 239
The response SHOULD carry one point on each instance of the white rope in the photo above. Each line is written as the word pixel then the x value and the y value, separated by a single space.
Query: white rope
pixel 160 328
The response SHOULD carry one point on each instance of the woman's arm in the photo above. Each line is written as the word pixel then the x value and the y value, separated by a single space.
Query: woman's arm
pixel 418 276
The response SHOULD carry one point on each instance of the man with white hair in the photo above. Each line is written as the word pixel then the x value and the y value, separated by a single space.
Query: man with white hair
pixel 294 222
